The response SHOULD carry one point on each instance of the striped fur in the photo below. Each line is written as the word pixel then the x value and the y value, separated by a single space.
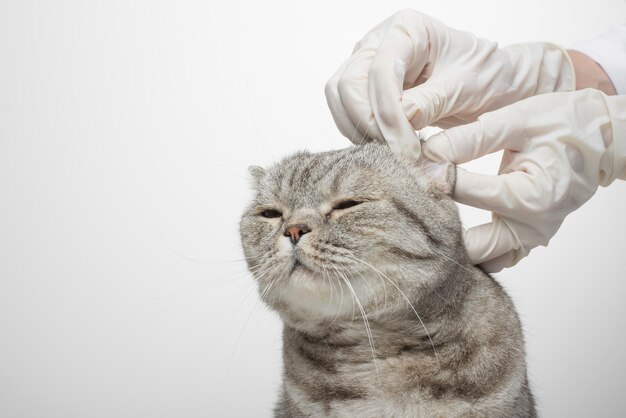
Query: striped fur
pixel 384 315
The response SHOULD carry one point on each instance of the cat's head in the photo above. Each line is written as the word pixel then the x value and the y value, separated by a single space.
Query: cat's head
pixel 325 229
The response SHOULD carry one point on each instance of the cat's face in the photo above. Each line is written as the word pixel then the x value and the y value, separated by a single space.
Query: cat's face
pixel 325 229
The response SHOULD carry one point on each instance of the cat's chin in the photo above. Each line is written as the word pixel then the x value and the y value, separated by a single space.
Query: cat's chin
pixel 314 294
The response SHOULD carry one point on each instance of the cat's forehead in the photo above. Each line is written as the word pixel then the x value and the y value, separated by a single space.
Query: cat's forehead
pixel 306 178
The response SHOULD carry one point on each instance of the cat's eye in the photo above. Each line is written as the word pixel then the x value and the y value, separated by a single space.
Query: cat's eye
pixel 345 204
pixel 271 213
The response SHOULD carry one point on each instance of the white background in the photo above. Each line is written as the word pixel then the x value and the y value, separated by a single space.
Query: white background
pixel 125 131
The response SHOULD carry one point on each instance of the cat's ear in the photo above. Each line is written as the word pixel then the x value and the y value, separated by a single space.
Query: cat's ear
pixel 256 174
pixel 441 176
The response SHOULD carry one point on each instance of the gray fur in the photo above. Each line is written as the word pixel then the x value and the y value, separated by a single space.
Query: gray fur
pixel 456 352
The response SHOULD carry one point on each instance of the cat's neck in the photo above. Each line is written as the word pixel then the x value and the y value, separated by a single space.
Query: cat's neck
pixel 417 327
pixel 360 342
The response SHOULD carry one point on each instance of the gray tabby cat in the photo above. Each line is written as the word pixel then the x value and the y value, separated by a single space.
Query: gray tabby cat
pixel 384 315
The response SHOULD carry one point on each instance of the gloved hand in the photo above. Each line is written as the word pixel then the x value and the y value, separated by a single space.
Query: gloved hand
pixel 558 148
pixel 411 71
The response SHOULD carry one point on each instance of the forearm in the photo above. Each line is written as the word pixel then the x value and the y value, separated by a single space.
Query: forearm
pixel 589 74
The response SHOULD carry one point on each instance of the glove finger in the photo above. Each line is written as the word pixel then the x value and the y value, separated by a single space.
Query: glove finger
pixel 423 105
pixel 338 111
pixel 353 92
pixel 491 241
pixel 497 264
pixel 512 194
pixel 492 132
pixel 457 145
pixel 403 49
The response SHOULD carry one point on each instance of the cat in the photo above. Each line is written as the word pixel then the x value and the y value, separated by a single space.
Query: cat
pixel 361 254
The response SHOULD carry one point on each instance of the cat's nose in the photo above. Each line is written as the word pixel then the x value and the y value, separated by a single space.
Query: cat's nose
pixel 296 231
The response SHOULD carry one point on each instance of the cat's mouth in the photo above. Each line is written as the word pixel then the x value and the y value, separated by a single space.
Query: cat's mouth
pixel 299 265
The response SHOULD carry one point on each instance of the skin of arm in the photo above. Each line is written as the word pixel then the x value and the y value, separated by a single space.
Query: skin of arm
pixel 589 74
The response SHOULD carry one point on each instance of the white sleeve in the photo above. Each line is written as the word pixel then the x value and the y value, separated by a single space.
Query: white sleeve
pixel 609 51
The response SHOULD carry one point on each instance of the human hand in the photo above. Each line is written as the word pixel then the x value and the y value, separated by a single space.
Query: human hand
pixel 411 71
pixel 557 149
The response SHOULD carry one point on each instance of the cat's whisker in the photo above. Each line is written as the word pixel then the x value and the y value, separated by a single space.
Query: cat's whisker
pixel 197 289
pixel 330 300
pixel 236 276
pixel 382 281
pixel 451 259
pixel 268 288
pixel 385 303
pixel 167 244
pixel 369 284
pixel 240 302
pixel 408 301
pixel 259 272
pixel 342 299
pixel 264 266
pixel 232 354
pixel 392 239
pixel 365 137
pixel 247 294
pixel 338 312
pixel 258 269
pixel 237 260
pixel 356 129
pixel 186 257
pixel 256 303
pixel 331 285
pixel 368 329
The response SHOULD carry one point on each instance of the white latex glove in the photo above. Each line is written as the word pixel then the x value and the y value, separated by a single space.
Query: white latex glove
pixel 558 148
pixel 411 71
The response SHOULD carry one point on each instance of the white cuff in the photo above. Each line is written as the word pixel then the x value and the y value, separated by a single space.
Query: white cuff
pixel 617 111
pixel 609 51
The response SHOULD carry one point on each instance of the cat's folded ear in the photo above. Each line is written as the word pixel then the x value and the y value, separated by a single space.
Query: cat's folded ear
pixel 256 175
pixel 440 175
